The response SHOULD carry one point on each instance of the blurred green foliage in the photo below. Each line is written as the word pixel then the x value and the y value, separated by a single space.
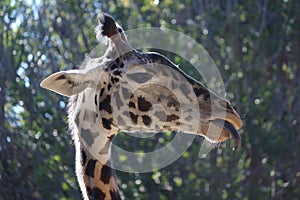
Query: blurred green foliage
pixel 256 47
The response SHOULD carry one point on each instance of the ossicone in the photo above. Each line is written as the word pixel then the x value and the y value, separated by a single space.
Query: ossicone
pixel 108 25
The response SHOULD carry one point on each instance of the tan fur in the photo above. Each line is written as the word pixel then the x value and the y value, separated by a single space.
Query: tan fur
pixel 101 105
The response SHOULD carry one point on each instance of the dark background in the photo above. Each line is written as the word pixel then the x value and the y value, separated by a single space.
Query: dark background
pixel 256 46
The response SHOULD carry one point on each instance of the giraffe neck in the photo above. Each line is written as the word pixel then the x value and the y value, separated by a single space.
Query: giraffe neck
pixel 99 181
pixel 95 176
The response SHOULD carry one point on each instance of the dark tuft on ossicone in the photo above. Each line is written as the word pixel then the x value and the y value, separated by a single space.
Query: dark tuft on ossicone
pixel 109 27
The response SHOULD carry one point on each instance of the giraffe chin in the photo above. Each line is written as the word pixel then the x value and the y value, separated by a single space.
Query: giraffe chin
pixel 231 130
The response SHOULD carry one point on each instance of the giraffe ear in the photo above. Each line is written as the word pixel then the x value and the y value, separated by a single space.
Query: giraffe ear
pixel 66 83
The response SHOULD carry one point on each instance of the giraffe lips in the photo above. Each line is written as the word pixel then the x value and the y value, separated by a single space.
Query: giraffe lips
pixel 231 130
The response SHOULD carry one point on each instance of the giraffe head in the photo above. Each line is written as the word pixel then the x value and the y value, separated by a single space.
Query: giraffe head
pixel 112 79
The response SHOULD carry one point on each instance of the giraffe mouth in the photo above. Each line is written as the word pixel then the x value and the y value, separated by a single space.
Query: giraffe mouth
pixel 231 130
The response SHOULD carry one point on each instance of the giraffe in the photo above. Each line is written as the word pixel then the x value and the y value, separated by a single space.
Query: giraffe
pixel 102 103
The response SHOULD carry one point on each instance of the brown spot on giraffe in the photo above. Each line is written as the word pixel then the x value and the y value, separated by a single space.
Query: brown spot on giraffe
pixel 133 117
pixel 105 104
pixel 90 168
pixel 172 117
pixel 106 173
pixel 146 119
pixel 131 104
pixel 143 104
pixel 95 193
pixel 107 123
